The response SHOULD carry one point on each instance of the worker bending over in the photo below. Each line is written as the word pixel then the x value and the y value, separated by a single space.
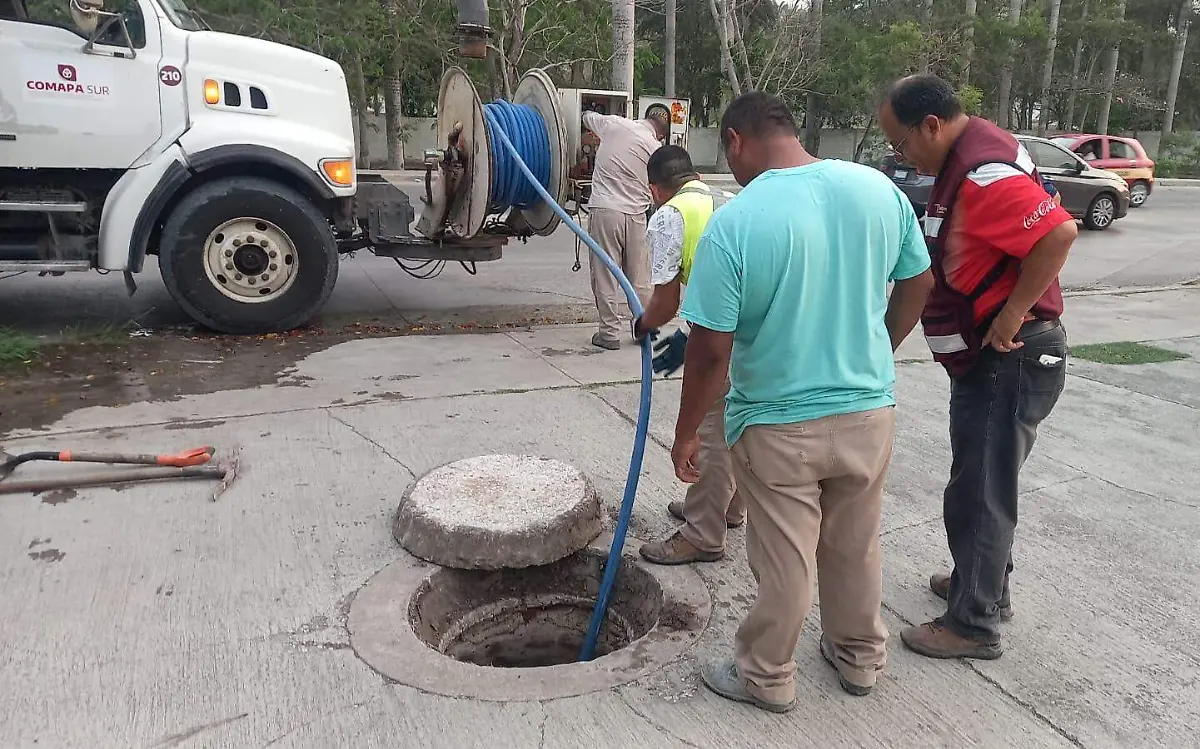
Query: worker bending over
pixel 711 505
pixel 617 208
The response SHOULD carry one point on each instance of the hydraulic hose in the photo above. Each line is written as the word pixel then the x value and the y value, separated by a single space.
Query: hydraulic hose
pixel 501 165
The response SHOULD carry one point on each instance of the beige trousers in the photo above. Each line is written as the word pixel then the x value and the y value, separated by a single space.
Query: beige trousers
pixel 712 502
pixel 814 491
pixel 623 237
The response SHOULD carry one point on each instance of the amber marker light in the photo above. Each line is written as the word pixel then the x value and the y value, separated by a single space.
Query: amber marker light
pixel 339 172
pixel 212 91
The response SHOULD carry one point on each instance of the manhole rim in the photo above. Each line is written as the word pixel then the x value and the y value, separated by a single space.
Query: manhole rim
pixel 382 636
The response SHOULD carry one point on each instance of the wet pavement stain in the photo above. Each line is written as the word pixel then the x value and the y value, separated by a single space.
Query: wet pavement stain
pixel 38 542
pixel 183 424
pixel 48 555
pixel 59 496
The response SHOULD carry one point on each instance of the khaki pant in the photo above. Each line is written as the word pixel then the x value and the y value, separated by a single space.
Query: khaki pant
pixel 712 502
pixel 623 237
pixel 814 491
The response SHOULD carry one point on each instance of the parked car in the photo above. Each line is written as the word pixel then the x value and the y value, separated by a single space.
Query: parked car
pixel 911 182
pixel 1096 196
pixel 1124 156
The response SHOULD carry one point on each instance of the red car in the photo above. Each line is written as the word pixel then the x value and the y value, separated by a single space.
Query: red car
pixel 1125 156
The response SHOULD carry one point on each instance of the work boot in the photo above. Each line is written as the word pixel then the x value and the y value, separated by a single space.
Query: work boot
pixel 939 583
pixel 608 344
pixel 830 656
pixel 935 640
pixel 721 676
pixel 676 510
pixel 677 550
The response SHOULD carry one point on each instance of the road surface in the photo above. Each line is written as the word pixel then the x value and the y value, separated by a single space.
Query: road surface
pixel 1156 245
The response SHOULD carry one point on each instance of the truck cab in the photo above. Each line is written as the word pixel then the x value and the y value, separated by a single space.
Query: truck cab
pixel 128 128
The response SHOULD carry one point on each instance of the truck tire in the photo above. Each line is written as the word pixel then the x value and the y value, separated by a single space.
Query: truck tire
pixel 247 255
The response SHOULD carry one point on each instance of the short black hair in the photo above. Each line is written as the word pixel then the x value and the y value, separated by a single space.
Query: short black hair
pixel 670 167
pixel 915 97
pixel 756 114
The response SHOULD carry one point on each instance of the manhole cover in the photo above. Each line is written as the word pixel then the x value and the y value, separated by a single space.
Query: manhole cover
pixel 498 512
pixel 516 634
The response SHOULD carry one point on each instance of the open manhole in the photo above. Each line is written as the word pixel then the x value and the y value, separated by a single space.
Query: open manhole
pixel 516 634
pixel 532 617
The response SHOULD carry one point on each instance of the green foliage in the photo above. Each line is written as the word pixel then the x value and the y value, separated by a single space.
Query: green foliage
pixel 972 99
pixel 1179 156
pixel 16 348
pixel 1126 353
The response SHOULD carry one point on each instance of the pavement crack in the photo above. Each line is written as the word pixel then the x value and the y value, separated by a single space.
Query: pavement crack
pixel 1019 701
pixel 654 723
pixel 632 421
pixel 544 358
pixel 907 526
pixel 176 739
pixel 378 446
pixel 1151 396
pixel 307 723
pixel 1122 487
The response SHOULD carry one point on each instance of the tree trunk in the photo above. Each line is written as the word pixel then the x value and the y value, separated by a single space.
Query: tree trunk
pixel 1074 95
pixel 1004 106
pixel 669 56
pixel 1181 35
pixel 622 34
pixel 968 43
pixel 1048 68
pixel 812 107
pixel 1110 74
pixel 721 22
pixel 927 31
pixel 393 95
pixel 362 114
pixel 862 142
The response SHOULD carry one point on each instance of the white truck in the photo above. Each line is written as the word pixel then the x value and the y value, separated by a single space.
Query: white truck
pixel 128 128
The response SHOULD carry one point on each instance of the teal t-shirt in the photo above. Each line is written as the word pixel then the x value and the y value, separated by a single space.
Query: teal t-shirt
pixel 797 268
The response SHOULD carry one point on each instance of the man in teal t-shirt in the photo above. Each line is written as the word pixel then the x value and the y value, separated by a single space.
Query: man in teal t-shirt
pixel 790 292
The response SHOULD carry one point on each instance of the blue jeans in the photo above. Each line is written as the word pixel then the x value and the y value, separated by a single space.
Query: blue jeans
pixel 995 410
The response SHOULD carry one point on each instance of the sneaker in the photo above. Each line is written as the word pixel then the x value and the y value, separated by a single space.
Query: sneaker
pixel 608 344
pixel 940 585
pixel 721 676
pixel 935 640
pixel 831 658
pixel 677 550
pixel 676 510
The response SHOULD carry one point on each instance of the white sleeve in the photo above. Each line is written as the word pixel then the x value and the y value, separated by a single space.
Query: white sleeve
pixel 664 235
pixel 598 123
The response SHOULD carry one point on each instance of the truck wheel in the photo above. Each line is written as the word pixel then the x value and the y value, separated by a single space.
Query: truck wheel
pixel 1101 213
pixel 248 255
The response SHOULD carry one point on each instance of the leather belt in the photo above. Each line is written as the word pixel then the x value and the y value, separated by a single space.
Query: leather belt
pixel 1034 327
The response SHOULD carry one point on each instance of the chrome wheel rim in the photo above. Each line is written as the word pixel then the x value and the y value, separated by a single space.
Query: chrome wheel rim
pixel 250 260
pixel 1103 212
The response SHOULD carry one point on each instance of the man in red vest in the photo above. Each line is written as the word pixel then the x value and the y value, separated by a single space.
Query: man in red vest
pixel 998 243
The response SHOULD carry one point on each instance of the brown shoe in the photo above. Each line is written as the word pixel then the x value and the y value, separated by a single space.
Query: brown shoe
pixel 676 510
pixel 677 550
pixel 831 658
pixel 939 583
pixel 608 344
pixel 935 640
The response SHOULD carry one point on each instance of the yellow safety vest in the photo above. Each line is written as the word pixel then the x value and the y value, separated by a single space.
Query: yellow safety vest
pixel 696 202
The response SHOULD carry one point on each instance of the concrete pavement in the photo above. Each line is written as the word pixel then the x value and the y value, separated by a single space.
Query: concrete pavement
pixel 155 617
pixel 1155 245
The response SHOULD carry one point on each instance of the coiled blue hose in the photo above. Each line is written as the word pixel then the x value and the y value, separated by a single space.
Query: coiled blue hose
pixel 503 163
pixel 525 128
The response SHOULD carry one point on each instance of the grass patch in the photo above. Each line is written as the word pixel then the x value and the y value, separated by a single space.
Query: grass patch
pixel 1126 352
pixel 16 348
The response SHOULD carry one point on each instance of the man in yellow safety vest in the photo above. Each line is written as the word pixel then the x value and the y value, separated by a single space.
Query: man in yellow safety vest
pixel 711 505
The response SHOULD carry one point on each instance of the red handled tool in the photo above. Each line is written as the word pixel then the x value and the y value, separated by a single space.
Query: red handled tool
pixel 185 459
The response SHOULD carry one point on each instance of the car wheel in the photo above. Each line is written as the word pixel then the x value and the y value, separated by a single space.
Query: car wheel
pixel 1138 193
pixel 1101 213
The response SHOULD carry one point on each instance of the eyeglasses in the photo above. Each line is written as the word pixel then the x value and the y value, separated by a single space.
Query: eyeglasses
pixel 898 148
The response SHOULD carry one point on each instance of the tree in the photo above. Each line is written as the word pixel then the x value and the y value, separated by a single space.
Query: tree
pixel 1074 94
pixel 1183 20
pixel 927 30
pixel 968 42
pixel 1048 66
pixel 1004 105
pixel 623 45
pixel 669 11
pixel 1110 74
pixel 812 108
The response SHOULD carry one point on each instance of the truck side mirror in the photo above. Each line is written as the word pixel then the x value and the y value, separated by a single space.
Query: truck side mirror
pixel 99 24
pixel 86 15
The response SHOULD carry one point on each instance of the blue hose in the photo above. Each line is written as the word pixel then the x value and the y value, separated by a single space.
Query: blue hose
pixel 501 169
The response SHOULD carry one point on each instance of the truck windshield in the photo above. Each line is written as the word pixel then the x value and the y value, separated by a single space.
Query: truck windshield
pixel 183 16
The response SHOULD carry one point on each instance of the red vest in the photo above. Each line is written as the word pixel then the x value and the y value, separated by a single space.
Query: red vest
pixel 949 316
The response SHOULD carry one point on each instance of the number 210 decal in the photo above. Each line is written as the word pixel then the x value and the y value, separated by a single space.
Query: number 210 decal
pixel 170 75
